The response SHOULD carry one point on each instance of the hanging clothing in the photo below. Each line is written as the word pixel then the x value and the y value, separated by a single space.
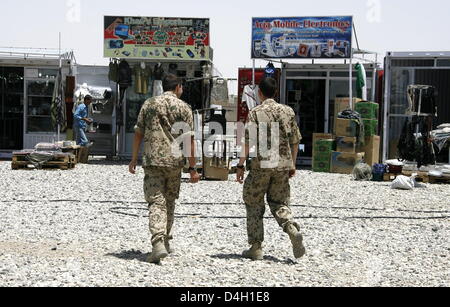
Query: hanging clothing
pixel 361 82
pixel 415 144
pixel 219 92
pixel 269 71
pixel 251 96
pixel 113 74
pixel 158 72
pixel 422 99
pixel 157 88
pixel 58 107
pixel 141 79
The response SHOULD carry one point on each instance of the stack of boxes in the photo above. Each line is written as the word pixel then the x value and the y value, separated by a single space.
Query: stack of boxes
pixel 340 154
pixel 347 155
pixel 369 112
pixel 323 146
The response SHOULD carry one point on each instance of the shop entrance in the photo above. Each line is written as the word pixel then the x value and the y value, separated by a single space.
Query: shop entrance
pixel 11 108
pixel 306 97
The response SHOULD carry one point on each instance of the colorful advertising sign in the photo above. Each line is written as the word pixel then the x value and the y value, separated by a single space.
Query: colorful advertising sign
pixel 302 37
pixel 156 38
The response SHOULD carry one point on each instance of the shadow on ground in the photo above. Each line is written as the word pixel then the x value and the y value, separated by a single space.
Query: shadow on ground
pixel 130 255
pixel 266 258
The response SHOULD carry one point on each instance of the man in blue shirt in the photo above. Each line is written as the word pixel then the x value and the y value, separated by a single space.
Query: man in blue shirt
pixel 80 121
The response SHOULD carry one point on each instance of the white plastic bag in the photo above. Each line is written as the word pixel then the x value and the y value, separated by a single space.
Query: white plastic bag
pixel 404 183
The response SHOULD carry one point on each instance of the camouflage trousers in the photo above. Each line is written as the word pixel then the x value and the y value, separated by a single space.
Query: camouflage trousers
pixel 162 189
pixel 274 184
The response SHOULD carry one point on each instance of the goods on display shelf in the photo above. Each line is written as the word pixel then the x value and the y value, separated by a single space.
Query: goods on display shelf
pixel 344 162
pixel 367 109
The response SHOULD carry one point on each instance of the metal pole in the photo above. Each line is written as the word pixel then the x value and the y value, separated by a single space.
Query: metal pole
pixel 375 76
pixel 253 73
pixel 351 80
pixel 60 87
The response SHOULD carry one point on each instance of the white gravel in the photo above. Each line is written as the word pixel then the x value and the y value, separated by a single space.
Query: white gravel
pixel 89 227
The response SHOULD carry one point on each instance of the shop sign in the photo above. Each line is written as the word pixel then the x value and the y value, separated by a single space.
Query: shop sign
pixel 302 37
pixel 156 38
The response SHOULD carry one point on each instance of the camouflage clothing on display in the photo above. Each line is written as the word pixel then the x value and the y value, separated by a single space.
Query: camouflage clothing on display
pixel 271 113
pixel 162 189
pixel 156 121
pixel 276 185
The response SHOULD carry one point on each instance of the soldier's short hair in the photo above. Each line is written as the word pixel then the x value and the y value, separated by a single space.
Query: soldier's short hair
pixel 170 82
pixel 269 87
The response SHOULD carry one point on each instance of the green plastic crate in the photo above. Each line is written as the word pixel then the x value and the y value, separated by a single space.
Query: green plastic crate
pixel 370 127
pixel 322 167
pixel 368 110
pixel 324 146
pixel 322 157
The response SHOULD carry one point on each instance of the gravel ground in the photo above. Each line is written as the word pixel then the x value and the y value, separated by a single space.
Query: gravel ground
pixel 89 227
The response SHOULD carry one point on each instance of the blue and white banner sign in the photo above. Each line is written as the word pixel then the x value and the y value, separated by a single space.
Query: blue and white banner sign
pixel 302 37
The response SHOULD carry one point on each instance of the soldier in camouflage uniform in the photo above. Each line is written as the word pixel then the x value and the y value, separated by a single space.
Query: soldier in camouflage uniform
pixel 163 160
pixel 270 170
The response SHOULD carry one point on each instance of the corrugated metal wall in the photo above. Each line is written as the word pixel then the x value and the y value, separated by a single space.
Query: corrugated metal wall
pixel 441 80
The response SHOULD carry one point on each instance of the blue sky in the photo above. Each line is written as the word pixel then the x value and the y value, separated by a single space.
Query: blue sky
pixel 382 25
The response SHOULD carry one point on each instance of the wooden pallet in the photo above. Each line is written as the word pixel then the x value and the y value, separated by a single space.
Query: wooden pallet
pixel 441 180
pixel 75 150
pixel 425 178
pixel 421 176
pixel 390 177
pixel 62 162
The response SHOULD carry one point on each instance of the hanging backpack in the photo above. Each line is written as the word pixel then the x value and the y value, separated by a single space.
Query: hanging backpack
pixel 125 75
pixel 113 74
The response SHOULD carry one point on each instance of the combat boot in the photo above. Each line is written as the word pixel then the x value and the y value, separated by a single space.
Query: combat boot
pixel 297 241
pixel 255 252
pixel 159 252
pixel 169 248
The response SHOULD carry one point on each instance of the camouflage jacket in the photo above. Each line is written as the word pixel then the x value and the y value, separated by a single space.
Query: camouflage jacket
pixel 273 151
pixel 165 121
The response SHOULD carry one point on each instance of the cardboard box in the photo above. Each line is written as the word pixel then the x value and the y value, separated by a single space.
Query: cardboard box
pixel 322 157
pixel 344 162
pixel 367 109
pixel 324 146
pixel 370 127
pixel 371 150
pixel 346 127
pixel 321 136
pixel 322 166
pixel 214 172
pixel 341 104
pixel 346 144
